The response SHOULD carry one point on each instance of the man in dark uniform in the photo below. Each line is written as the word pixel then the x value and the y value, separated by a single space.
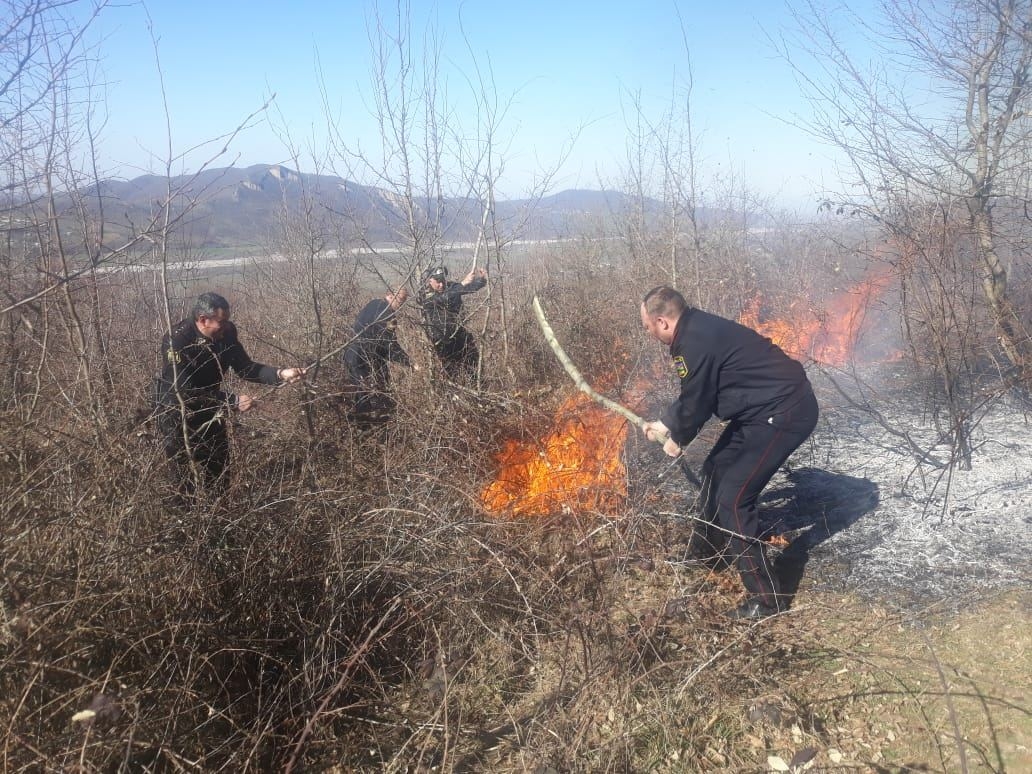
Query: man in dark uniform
pixel 369 354
pixel 735 373
pixel 441 302
pixel 190 405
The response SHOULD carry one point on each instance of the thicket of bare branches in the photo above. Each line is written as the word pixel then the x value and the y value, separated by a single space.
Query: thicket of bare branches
pixel 936 139
pixel 348 602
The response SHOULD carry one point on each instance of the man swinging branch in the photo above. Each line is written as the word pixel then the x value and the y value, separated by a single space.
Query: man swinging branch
pixel 764 395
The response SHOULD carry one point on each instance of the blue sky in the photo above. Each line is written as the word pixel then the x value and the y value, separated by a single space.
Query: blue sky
pixel 567 65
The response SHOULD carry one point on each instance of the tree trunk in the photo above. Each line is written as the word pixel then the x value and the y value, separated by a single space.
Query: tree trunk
pixel 994 283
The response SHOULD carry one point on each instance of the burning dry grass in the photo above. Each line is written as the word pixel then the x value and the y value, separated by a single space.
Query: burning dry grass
pixel 576 467
pixel 827 335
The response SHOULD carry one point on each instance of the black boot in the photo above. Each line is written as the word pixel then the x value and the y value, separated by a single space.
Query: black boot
pixel 708 549
pixel 753 610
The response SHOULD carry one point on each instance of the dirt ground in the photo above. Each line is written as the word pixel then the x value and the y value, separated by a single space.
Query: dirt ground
pixel 921 691
pixel 938 674
pixel 861 684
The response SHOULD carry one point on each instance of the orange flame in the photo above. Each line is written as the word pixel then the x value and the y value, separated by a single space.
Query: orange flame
pixel 577 467
pixel 828 337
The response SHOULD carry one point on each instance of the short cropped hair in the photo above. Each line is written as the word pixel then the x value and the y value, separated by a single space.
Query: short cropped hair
pixel 664 301
pixel 207 304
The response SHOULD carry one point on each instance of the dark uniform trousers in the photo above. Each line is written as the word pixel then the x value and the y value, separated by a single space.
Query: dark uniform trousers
pixel 738 467
pixel 458 355
pixel 373 403
pixel 206 443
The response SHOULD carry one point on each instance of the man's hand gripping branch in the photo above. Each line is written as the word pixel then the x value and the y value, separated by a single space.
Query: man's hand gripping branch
pixel 659 432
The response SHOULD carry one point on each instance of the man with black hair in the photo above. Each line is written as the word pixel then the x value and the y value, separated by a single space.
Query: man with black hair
pixel 441 303
pixel 190 406
pixel 764 395
pixel 368 357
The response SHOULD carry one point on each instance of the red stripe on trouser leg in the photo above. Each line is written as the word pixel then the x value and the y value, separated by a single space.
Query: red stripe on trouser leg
pixel 743 461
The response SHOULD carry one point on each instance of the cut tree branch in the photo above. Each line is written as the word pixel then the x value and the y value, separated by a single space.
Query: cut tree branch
pixel 602 400
pixel 579 380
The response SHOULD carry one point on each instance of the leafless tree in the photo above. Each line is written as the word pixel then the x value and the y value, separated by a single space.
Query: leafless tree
pixel 435 174
pixel 935 135
pixel 682 226
pixel 45 113
pixel 663 163
pixel 412 169
pixel 940 122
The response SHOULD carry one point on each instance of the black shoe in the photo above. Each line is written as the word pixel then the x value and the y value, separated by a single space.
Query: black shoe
pixel 700 551
pixel 751 610
pixel 698 548
pixel 718 561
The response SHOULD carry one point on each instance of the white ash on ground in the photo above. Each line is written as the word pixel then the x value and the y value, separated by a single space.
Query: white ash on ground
pixel 934 533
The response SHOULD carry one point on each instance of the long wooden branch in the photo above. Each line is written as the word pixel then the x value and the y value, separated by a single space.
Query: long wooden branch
pixel 579 380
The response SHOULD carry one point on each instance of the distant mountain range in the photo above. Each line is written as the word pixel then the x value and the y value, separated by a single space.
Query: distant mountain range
pixel 248 207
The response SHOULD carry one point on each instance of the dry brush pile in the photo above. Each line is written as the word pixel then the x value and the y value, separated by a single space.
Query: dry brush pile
pixel 348 604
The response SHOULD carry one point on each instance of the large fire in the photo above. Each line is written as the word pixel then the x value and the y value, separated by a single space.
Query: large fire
pixel 828 336
pixel 576 467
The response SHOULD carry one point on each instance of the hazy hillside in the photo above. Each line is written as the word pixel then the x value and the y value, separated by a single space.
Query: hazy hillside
pixel 241 207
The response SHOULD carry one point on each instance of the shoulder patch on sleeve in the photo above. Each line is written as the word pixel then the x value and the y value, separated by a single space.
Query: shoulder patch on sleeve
pixel 681 367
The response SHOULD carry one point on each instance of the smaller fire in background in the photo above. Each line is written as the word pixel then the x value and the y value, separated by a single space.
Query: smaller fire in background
pixel 828 337
pixel 577 467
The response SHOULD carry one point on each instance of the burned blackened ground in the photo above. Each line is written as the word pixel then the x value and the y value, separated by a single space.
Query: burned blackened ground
pixel 860 513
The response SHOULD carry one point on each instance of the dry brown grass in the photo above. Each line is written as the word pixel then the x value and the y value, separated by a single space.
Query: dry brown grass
pixel 348 605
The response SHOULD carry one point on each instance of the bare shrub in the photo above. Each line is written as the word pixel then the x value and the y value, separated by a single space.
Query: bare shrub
pixel 346 594
pixel 348 602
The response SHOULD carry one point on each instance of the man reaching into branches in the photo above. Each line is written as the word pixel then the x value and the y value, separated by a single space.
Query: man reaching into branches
pixel 441 302
pixel 368 357
pixel 735 373
pixel 190 406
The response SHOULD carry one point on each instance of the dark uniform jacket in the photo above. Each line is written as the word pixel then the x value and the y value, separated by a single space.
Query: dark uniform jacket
pixel 193 366
pixel 442 312
pixel 731 371
pixel 375 343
